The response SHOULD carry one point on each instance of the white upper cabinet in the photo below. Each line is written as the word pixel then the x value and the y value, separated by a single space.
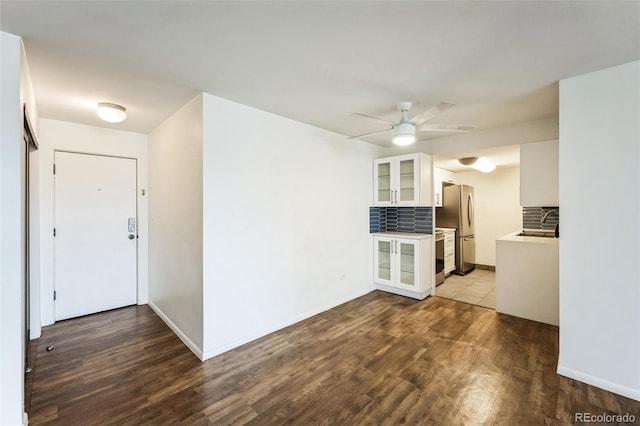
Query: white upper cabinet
pixel 441 177
pixel 539 174
pixel 403 181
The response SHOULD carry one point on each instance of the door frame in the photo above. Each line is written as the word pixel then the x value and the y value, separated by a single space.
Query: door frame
pixel 58 135
pixel 55 151
pixel 31 144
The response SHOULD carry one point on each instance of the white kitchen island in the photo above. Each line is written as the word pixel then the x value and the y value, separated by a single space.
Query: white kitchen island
pixel 527 277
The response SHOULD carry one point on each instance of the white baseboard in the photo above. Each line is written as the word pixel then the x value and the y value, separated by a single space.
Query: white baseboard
pixel 402 292
pixel 246 339
pixel 600 383
pixel 188 342
pixel 25 419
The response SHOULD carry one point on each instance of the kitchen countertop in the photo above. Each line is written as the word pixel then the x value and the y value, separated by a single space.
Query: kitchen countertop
pixel 410 235
pixel 446 229
pixel 514 237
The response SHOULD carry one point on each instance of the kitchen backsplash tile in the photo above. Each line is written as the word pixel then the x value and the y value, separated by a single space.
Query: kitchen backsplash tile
pixel 532 217
pixel 401 219
pixel 377 219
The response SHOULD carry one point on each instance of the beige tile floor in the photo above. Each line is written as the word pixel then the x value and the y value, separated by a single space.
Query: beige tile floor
pixel 477 288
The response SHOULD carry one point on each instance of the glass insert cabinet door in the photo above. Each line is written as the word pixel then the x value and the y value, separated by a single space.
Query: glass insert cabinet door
pixel 383 260
pixel 384 193
pixel 407 264
pixel 407 170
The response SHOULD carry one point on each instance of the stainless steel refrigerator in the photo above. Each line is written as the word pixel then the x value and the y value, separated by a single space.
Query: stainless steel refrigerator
pixel 457 212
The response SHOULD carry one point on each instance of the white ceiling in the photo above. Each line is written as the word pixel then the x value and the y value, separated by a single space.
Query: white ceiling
pixel 317 62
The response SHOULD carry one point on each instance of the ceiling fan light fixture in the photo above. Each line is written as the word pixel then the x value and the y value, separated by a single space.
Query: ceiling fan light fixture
pixel 113 113
pixel 404 134
pixel 480 164
pixel 404 139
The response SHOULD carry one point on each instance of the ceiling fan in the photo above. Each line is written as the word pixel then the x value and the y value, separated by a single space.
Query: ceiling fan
pixel 404 131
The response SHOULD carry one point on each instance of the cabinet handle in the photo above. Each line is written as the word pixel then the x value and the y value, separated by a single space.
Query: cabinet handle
pixel 395 246
pixel 396 191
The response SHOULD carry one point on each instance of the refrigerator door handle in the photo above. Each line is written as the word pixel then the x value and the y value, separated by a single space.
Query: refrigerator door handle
pixel 469 209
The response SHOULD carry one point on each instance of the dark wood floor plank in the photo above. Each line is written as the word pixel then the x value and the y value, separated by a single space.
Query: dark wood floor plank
pixel 379 359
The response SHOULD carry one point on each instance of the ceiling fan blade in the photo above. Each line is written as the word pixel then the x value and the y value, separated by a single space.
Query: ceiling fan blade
pixel 374 119
pixel 369 134
pixel 444 128
pixel 431 112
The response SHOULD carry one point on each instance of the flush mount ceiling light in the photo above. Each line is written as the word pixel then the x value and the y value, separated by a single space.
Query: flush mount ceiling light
pixel 479 164
pixel 404 134
pixel 112 113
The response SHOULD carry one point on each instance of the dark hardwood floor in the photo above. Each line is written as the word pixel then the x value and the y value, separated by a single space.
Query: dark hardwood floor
pixel 379 359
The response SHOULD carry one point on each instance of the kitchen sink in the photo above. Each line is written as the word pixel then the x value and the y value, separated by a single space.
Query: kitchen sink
pixel 537 233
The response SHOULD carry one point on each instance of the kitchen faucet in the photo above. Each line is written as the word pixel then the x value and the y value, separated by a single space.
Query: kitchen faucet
pixel 546 215
pixel 544 219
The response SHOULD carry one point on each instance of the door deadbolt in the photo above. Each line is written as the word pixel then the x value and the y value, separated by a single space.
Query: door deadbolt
pixel 131 236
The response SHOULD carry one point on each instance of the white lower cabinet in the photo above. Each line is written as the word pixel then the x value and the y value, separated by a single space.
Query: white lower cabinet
pixel 449 251
pixel 403 264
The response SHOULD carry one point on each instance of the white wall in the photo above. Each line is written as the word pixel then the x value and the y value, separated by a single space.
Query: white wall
pixel 175 230
pixel 64 136
pixel 497 208
pixel 285 222
pixel 15 90
pixel 600 240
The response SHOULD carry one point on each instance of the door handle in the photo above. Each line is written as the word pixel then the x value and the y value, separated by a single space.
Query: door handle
pixel 131 236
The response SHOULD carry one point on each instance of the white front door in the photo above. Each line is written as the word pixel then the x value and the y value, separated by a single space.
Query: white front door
pixel 95 234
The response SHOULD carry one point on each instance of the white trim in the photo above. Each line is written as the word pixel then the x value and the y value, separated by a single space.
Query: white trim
pixel 600 383
pixel 239 342
pixel 188 342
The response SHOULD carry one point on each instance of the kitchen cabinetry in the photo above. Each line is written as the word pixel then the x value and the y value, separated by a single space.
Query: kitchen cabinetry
pixel 440 178
pixel 403 264
pixel 539 174
pixel 449 251
pixel 403 181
